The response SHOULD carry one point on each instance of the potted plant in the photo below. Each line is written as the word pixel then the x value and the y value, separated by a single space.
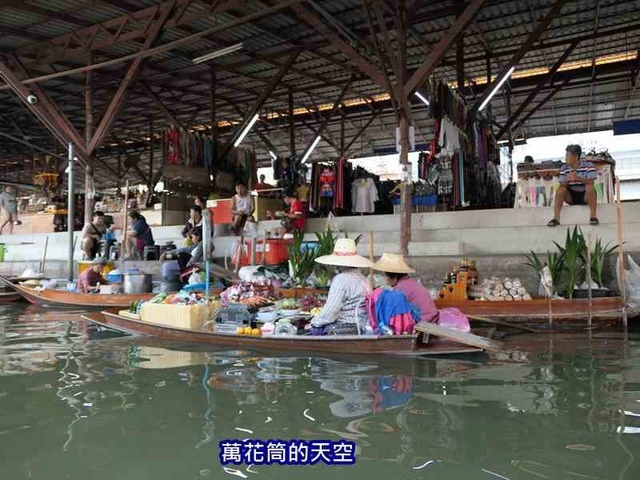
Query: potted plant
pixel 599 255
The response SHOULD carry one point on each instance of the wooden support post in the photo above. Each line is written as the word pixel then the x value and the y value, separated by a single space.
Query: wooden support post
pixel 622 273
pixel 405 215
pixel 292 133
pixel 89 186
pixel 342 144
pixel 212 105
pixel 151 152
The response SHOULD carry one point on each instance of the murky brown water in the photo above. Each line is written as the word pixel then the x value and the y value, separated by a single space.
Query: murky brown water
pixel 77 407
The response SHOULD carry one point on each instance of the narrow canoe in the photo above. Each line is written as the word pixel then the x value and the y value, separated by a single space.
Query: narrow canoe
pixel 577 309
pixel 339 344
pixel 63 298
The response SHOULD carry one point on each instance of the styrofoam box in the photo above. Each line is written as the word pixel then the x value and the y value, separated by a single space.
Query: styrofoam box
pixel 190 317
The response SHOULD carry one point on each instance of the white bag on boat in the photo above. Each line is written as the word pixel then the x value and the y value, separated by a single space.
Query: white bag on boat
pixel 632 277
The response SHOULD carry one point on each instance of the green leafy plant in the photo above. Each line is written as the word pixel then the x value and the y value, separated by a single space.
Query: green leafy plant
pixel 573 251
pixel 598 257
pixel 326 243
pixel 302 260
pixel 555 262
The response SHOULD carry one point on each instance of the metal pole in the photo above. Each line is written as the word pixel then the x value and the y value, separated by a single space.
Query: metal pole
pixel 70 211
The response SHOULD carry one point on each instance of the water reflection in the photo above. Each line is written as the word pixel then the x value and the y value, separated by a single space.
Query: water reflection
pixel 131 408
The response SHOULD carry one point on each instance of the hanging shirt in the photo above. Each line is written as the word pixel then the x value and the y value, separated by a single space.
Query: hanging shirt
pixel 327 182
pixel 364 194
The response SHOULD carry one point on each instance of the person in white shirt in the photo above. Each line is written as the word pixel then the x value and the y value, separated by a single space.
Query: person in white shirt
pixel 345 309
pixel 242 208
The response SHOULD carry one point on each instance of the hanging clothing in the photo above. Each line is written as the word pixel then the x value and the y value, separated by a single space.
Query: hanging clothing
pixel 173 147
pixel 364 194
pixel 327 182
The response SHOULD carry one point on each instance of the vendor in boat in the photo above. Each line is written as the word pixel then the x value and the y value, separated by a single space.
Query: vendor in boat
pixel 91 235
pixel 345 310
pixel 396 272
pixel 92 276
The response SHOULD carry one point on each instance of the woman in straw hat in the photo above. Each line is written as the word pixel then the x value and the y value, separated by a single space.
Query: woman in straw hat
pixel 396 273
pixel 345 310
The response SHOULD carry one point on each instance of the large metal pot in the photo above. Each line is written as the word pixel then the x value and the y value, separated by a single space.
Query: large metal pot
pixel 138 283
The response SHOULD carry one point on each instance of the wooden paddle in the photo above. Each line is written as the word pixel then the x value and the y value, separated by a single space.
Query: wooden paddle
pixel 459 337
pixel 505 324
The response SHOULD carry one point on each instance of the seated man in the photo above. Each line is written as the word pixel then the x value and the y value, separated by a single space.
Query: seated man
pixel 242 208
pixel 576 186
pixel 91 235
pixel 295 218
pixel 92 276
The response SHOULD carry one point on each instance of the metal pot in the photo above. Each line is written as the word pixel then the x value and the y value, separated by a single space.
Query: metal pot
pixel 138 283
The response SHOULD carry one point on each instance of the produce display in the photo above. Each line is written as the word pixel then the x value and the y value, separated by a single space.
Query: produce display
pixel 255 295
pixel 180 298
pixel 312 303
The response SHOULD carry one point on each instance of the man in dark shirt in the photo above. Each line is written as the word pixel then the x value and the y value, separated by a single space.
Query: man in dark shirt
pixel 576 185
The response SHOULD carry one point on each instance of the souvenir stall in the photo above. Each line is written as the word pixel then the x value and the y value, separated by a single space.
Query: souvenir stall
pixel 340 188
pixel 538 182
pixel 460 167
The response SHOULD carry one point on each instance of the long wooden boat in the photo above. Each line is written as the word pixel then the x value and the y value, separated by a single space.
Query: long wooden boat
pixel 62 298
pixel 577 309
pixel 339 344
pixel 8 297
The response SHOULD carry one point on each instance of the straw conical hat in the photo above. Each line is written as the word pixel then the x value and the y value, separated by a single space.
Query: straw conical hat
pixel 345 254
pixel 392 263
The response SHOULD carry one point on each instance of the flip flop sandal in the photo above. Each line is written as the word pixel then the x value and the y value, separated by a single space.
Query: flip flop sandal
pixel 594 221
pixel 553 223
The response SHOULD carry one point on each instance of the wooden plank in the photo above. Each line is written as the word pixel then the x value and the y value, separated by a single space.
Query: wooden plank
pixel 459 337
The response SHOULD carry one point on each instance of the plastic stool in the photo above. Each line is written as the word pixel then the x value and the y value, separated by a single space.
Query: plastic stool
pixel 114 252
pixel 151 252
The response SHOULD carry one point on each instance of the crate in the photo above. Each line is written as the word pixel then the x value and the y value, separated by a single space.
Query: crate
pixel 236 314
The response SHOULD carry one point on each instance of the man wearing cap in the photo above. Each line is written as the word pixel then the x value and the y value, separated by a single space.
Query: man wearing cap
pixel 576 186
pixel 345 309
pixel 396 273
pixel 92 276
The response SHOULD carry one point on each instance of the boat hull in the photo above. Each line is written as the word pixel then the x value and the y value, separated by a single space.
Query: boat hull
pixel 8 297
pixel 339 344
pixel 60 298
pixel 577 309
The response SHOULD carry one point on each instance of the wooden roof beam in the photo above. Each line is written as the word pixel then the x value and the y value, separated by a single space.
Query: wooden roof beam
pixel 521 52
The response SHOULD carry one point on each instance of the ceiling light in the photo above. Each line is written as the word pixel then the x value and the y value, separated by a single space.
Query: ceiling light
pixel 246 130
pixel 218 53
pixel 497 87
pixel 313 145
pixel 273 155
pixel 423 98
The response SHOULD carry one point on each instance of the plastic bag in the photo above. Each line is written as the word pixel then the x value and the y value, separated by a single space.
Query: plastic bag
pixel 332 223
pixel 632 283
pixel 454 319
pixel 195 278
pixel 250 228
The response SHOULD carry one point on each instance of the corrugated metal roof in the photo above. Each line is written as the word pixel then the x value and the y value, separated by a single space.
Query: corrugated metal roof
pixel 500 26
